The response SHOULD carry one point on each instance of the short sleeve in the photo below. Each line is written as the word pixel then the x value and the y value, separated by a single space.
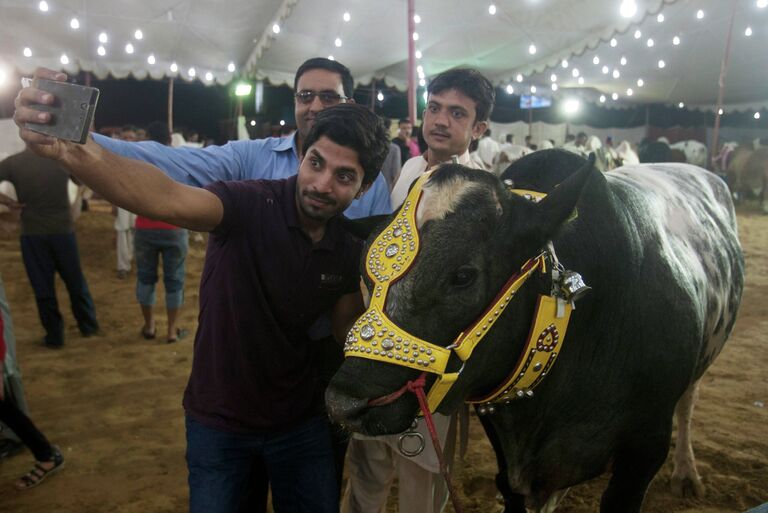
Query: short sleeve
pixel 240 202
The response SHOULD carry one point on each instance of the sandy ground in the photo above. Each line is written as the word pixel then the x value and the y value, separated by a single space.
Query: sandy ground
pixel 113 402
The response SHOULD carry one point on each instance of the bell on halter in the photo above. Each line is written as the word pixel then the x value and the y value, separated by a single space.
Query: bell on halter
pixel 572 286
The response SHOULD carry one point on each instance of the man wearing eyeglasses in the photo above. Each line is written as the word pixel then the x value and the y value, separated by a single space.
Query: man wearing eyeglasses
pixel 319 83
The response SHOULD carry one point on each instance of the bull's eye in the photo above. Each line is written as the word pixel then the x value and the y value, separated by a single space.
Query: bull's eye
pixel 463 277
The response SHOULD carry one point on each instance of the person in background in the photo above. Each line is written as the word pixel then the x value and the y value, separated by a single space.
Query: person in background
pixel 529 142
pixel 125 221
pixel 413 142
pixel 319 83
pixel 48 242
pixel 487 151
pixel 459 104
pixel 10 444
pixel 391 167
pixel 278 258
pixel 48 457
pixel 403 139
pixel 153 239
pixel 509 140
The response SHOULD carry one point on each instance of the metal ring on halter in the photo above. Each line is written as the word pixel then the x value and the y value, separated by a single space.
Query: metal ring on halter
pixel 410 434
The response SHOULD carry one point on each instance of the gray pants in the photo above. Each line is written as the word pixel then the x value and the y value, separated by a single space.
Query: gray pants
pixel 14 390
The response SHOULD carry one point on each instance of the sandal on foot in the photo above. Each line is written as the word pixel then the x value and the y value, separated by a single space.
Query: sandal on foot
pixel 38 473
pixel 180 333
pixel 149 335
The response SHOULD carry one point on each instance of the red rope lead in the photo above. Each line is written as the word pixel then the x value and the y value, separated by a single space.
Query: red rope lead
pixel 417 387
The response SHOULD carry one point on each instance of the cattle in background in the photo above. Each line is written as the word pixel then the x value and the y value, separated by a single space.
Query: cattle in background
pixel 748 174
pixel 605 158
pixel 657 244
pixel 626 154
pixel 694 151
pixel 510 153
pixel 723 159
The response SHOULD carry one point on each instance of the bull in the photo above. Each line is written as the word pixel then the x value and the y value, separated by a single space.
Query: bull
pixel 658 246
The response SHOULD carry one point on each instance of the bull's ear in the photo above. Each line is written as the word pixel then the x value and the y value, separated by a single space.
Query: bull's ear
pixel 362 228
pixel 554 211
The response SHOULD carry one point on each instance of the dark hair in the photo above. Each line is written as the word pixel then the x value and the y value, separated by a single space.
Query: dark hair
pixel 353 126
pixel 158 131
pixel 404 120
pixel 333 66
pixel 470 83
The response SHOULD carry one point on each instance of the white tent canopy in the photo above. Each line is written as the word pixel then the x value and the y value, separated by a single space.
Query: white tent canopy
pixel 208 36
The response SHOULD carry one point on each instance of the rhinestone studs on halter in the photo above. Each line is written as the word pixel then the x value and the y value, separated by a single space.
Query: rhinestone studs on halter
pixel 367 332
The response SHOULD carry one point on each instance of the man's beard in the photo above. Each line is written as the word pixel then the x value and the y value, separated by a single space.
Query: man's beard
pixel 312 214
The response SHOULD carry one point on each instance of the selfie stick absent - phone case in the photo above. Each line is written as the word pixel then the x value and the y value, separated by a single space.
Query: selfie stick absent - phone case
pixel 71 112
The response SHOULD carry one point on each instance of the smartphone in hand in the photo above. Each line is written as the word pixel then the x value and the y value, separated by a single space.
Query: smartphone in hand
pixel 71 112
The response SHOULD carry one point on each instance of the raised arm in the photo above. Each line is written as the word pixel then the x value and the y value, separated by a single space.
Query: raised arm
pixel 137 186
pixel 192 166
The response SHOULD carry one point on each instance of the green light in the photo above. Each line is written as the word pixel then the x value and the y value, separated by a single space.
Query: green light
pixel 243 89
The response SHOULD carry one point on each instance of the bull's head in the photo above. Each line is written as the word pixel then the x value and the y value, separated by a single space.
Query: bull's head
pixel 469 235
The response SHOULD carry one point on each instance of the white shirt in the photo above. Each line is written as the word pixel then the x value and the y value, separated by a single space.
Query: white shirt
pixel 488 150
pixel 414 168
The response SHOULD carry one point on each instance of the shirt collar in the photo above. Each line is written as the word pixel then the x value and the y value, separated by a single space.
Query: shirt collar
pixel 464 159
pixel 287 143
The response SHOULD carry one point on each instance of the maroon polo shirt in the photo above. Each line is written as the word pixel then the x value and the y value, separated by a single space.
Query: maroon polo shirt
pixel 264 284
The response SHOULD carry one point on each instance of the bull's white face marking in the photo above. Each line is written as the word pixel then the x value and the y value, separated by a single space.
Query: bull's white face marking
pixel 693 218
pixel 438 201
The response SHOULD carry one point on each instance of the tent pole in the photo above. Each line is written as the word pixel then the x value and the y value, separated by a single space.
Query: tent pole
pixel 170 104
pixel 530 118
pixel 647 122
pixel 373 96
pixel 721 82
pixel 411 63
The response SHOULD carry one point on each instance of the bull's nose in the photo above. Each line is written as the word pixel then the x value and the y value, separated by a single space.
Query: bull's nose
pixel 341 407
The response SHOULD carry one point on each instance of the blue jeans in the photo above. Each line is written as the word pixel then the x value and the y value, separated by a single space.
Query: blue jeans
pixel 44 256
pixel 299 463
pixel 149 245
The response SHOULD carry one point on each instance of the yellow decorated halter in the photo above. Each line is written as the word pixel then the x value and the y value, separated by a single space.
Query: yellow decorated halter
pixel 375 336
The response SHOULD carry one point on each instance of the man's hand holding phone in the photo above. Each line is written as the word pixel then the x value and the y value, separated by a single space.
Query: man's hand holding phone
pixel 50 113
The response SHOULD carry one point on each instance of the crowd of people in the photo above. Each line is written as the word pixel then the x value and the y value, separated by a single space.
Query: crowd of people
pixel 280 285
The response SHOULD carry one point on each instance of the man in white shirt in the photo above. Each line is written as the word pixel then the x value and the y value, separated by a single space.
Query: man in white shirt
pixel 488 151
pixel 458 107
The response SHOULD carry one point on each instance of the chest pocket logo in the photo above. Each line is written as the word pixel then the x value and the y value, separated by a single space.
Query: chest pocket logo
pixel 330 281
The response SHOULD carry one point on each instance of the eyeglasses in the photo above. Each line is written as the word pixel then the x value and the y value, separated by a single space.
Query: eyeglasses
pixel 326 97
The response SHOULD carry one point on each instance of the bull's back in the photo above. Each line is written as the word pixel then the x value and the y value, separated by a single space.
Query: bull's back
pixel 687 216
